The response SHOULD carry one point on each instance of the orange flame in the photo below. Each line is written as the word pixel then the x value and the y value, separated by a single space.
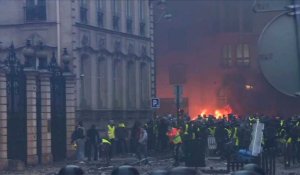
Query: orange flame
pixel 218 113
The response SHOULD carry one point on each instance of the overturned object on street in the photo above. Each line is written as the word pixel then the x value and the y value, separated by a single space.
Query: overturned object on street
pixel 257 138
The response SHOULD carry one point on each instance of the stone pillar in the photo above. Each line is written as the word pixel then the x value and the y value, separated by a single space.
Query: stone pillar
pixel 94 83
pixel 32 157
pixel 46 117
pixel 124 85
pixel 110 82
pixel 138 85
pixel 3 121
pixel 70 110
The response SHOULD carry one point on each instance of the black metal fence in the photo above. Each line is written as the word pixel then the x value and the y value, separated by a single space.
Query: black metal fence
pixel 266 160
pixel 58 112
pixel 16 108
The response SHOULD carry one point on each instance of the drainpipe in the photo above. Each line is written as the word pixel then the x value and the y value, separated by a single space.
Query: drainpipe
pixel 58 31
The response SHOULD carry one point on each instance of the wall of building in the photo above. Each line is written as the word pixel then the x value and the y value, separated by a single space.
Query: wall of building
pixel 87 40
pixel 200 46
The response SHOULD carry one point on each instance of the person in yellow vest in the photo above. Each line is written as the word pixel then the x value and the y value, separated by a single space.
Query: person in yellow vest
pixel 121 138
pixel 175 139
pixel 105 147
pixel 111 133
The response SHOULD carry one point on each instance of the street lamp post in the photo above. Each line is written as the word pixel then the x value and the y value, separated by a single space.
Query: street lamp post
pixel 161 4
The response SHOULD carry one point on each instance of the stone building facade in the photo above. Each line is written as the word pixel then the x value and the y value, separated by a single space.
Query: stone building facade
pixel 110 44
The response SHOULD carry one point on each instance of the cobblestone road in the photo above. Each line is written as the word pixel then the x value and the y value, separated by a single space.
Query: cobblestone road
pixel 97 168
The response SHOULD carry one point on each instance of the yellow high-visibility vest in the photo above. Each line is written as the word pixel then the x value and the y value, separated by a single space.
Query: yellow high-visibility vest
pixel 106 141
pixel 235 136
pixel 212 130
pixel 111 132
pixel 281 122
pixel 186 129
pixel 122 125
pixel 177 139
pixel 228 132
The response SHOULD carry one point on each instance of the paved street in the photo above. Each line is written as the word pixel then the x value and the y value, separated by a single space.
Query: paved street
pixel 165 162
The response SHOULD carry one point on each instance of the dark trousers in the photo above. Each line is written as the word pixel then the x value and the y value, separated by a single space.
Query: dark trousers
pixel 112 150
pixel 92 151
pixel 105 150
pixel 287 156
pixel 122 146
pixel 142 151
pixel 176 153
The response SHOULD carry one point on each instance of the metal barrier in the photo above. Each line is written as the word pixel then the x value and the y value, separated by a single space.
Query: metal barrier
pixel 195 153
pixel 212 146
pixel 266 160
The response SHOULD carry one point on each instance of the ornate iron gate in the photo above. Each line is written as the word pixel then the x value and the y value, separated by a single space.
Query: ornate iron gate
pixel 58 112
pixel 16 108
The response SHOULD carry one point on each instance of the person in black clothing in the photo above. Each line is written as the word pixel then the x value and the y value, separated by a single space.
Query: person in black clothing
pixel 121 137
pixel 134 136
pixel 221 136
pixel 92 143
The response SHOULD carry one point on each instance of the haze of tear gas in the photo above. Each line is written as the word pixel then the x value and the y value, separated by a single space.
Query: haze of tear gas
pixel 192 39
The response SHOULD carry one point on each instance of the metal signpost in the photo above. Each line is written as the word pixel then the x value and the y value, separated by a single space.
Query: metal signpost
pixel 155 103
pixel 178 91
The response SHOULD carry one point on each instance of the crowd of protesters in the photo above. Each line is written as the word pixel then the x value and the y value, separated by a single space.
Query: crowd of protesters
pixel 170 133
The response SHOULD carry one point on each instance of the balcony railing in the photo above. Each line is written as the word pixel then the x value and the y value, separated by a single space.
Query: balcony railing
pixel 35 13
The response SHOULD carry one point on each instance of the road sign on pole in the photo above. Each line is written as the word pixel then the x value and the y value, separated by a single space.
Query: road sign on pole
pixel 155 103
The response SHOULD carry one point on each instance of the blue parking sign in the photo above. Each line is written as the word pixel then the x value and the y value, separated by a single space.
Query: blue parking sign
pixel 155 103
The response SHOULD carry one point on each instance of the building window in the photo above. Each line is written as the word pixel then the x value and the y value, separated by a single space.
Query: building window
pixel 85 74
pixel 231 17
pixel 129 25
pixel 142 17
pixel 243 55
pixel 100 13
pixel 142 28
pixel 144 85
pixel 35 10
pixel 129 21
pixel 102 83
pixel 116 21
pixel 83 12
pixel 247 16
pixel 117 83
pixel 131 83
pixel 116 17
pixel 142 10
pixel 222 97
pixel 227 56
